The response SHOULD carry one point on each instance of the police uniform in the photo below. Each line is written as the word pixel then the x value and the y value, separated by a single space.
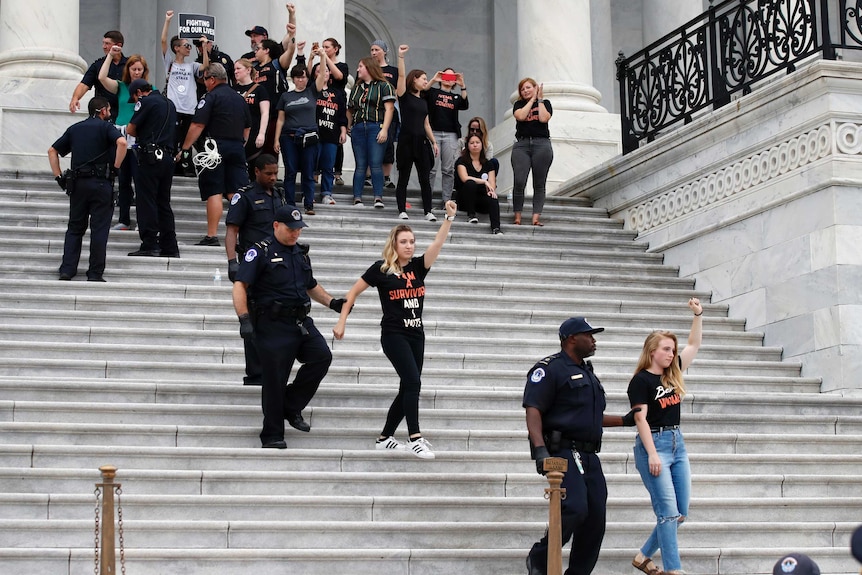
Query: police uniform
pixel 155 119
pixel 216 57
pixel 92 144
pixel 572 402
pixel 252 210
pixel 225 115
pixel 278 278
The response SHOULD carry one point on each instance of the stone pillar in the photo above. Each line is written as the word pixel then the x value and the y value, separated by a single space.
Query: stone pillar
pixel 662 16
pixel 556 50
pixel 316 20
pixel 39 69
pixel 39 39
pixel 234 18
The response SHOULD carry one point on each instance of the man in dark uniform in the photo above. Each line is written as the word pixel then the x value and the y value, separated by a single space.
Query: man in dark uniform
pixel 216 56
pixel 249 220
pixel 154 124
pixel 91 76
pixel 97 149
pixel 565 405
pixel 276 274
pixel 223 117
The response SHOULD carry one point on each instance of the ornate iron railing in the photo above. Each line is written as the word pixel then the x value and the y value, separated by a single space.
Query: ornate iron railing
pixel 724 51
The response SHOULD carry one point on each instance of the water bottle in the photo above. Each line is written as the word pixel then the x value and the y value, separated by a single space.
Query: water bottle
pixel 217 277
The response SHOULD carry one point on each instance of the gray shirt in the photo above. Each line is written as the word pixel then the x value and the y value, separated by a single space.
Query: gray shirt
pixel 300 110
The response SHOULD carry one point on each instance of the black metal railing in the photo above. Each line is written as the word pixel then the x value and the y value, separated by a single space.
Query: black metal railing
pixel 724 51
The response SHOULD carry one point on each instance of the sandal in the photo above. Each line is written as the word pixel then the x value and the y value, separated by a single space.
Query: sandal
pixel 517 220
pixel 647 566
pixel 536 221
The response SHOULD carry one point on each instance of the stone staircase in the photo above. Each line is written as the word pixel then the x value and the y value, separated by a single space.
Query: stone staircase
pixel 144 372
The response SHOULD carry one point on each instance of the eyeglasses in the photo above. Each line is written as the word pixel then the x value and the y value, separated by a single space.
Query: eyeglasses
pixel 475 130
pixel 207 78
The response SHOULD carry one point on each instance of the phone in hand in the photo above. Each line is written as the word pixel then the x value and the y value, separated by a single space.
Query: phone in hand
pixel 315 46
pixel 449 77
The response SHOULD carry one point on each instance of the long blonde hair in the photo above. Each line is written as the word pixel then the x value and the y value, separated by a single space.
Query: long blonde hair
pixel 672 376
pixel 390 256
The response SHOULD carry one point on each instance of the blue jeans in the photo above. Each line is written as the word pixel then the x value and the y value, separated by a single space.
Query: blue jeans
pixel 325 163
pixel 367 153
pixel 670 493
pixel 303 161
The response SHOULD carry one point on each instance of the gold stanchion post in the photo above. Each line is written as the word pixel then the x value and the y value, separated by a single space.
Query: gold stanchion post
pixel 108 556
pixel 555 468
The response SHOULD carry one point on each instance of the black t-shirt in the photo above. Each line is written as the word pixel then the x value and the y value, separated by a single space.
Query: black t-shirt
pixel 443 108
pixel 532 127
pixel 224 113
pixel 414 110
pixel 487 167
pixel 401 296
pixel 663 405
pixel 331 114
pixel 253 97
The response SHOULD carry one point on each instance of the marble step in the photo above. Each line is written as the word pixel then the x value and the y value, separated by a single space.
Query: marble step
pixel 333 394
pixel 330 460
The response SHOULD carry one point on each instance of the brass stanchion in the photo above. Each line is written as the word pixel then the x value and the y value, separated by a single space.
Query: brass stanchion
pixel 555 468
pixel 107 542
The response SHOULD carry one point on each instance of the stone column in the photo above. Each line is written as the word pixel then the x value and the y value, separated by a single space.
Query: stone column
pixel 39 39
pixel 316 20
pixel 662 16
pixel 234 18
pixel 555 48
pixel 39 69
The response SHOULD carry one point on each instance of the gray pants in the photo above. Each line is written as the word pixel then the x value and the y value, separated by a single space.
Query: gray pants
pixel 536 154
pixel 449 152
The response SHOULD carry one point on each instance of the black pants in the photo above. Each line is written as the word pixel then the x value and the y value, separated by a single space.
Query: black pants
pixel 473 197
pixel 124 187
pixel 279 343
pixel 184 167
pixel 155 217
pixel 583 514
pixel 92 201
pixel 414 150
pixel 407 353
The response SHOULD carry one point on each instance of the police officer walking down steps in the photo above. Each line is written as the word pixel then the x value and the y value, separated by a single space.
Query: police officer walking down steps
pixel 153 124
pixel 223 117
pixel 97 149
pixel 276 274
pixel 249 220
pixel 565 405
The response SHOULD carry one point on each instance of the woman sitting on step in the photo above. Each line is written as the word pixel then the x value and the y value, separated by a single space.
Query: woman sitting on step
pixel 660 456
pixel 400 281
pixel 476 183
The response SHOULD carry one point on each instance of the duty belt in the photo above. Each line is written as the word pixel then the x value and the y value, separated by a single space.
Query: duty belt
pixel 278 310
pixel 581 446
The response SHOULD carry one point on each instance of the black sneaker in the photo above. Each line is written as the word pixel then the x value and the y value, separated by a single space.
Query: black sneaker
pixel 208 241
pixel 388 183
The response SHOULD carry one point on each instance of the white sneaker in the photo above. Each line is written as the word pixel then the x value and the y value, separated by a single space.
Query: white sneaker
pixel 378 202
pixel 404 216
pixel 357 202
pixel 328 200
pixel 421 448
pixel 389 444
pixel 473 220
pixel 431 217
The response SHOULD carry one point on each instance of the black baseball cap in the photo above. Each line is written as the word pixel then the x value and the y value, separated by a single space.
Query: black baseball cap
pixel 290 216
pixel 257 30
pixel 795 564
pixel 575 325
pixel 135 85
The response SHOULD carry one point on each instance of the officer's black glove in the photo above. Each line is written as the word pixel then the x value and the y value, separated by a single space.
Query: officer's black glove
pixel 113 172
pixel 337 303
pixel 232 269
pixel 629 418
pixel 61 181
pixel 540 454
pixel 246 330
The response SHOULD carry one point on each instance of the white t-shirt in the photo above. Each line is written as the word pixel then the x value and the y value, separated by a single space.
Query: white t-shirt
pixel 182 86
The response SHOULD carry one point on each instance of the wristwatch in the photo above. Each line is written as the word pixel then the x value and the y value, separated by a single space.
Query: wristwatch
pixel 450 218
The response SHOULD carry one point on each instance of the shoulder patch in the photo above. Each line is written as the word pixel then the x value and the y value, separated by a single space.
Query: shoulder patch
pixel 250 254
pixel 137 105
pixel 537 375
pixel 236 197
pixel 201 103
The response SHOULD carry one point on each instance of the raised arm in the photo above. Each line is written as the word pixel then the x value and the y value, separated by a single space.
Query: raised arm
pixel 434 249
pixel 544 114
pixel 168 15
pixel 402 80
pixel 322 79
pixel 695 335
pixel 110 84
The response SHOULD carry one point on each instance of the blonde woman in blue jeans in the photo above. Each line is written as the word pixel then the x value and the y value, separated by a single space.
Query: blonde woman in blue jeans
pixel 660 456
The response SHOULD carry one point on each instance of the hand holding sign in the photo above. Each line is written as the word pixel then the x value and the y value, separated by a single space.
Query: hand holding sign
pixel 196 26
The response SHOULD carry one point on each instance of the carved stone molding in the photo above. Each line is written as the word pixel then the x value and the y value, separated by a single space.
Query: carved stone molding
pixel 745 174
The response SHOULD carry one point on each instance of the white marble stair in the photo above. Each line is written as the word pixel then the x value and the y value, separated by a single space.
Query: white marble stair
pixel 144 373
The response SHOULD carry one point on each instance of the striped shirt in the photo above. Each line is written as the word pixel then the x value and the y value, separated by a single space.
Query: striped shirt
pixel 367 101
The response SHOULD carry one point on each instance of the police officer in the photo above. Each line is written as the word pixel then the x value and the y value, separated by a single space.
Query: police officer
pixel 249 220
pixel 223 116
pixel 97 149
pixel 277 274
pixel 154 124
pixel 215 56
pixel 565 405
